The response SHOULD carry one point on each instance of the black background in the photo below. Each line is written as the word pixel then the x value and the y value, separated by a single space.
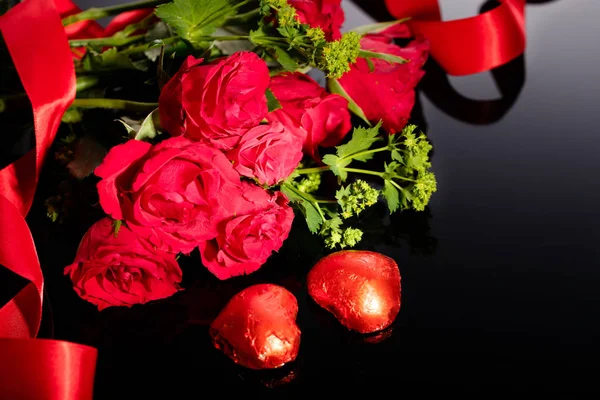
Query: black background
pixel 499 275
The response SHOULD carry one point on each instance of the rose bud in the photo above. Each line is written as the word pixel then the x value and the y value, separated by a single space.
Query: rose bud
pixel 257 328
pixel 360 288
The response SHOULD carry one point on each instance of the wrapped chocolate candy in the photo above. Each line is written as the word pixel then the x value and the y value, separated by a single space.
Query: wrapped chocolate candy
pixel 360 288
pixel 257 328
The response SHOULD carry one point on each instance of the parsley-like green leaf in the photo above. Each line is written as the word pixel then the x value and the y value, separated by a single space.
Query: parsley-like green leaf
pixel 309 209
pixel 391 195
pixel 362 139
pixel 272 102
pixel 193 19
pixel 397 156
pixel 336 164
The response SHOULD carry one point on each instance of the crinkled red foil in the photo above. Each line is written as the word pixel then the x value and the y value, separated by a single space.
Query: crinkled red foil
pixel 360 288
pixel 257 328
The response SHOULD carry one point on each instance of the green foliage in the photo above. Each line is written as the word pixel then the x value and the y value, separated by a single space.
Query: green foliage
pixel 356 149
pixel 382 56
pixel 337 56
pixel 407 180
pixel 117 226
pixel 307 205
pixel 193 20
pixel 272 102
pixel 149 128
pixel 334 87
pixel 72 116
pixel 309 183
pixel 108 60
pixel 283 58
pixel 356 197
pixel 391 195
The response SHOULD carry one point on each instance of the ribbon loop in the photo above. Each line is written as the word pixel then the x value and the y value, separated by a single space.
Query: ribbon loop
pixel 470 45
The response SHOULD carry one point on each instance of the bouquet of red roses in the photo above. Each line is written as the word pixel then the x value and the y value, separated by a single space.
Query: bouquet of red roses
pixel 232 133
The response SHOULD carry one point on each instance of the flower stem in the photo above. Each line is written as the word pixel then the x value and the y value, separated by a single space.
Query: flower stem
pixel 108 42
pixel 97 13
pixel 306 197
pixel 115 104
pixel 363 171
pixel 315 170
pixel 143 47
pixel 242 18
pixel 326 201
pixel 365 152
pixel 85 82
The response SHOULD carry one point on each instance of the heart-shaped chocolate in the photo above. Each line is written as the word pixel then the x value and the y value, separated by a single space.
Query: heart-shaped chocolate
pixel 360 288
pixel 257 328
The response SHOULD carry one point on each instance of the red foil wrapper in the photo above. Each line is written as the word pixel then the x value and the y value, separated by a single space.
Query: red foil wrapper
pixel 257 328
pixel 360 288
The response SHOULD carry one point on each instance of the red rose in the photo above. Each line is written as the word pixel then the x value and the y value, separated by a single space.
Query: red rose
pixel 269 153
pixel 325 14
pixel 218 102
pixel 121 270
pixel 173 193
pixel 320 118
pixel 387 93
pixel 261 224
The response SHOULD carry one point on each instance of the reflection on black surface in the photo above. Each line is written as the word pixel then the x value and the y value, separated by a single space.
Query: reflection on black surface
pixel 509 79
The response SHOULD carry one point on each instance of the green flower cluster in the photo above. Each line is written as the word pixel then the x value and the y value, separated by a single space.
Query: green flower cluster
pixel 337 56
pixel 336 236
pixel 356 197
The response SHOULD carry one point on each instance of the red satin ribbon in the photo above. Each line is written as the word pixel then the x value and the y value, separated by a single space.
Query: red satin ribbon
pixel 35 369
pixel 470 45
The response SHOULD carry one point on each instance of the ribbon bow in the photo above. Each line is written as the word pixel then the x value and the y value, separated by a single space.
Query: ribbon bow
pixel 470 45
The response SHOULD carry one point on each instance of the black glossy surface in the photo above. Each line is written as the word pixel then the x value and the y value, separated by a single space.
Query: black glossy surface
pixel 499 278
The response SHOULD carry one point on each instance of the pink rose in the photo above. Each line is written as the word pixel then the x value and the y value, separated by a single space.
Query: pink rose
pixel 121 270
pixel 325 14
pixel 269 153
pixel 216 103
pixel 387 93
pixel 320 118
pixel 260 226
pixel 172 194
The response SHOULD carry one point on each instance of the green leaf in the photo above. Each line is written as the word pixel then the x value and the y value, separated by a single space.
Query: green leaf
pixel 309 209
pixel 337 165
pixel 370 64
pixel 258 36
pixel 272 102
pixel 193 19
pixel 283 58
pixel 391 195
pixel 130 130
pixel 362 139
pixel 109 59
pixel 117 226
pixel 334 86
pixel 72 116
pixel 148 130
pixel 382 56
pixel 397 156
pixel 379 27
